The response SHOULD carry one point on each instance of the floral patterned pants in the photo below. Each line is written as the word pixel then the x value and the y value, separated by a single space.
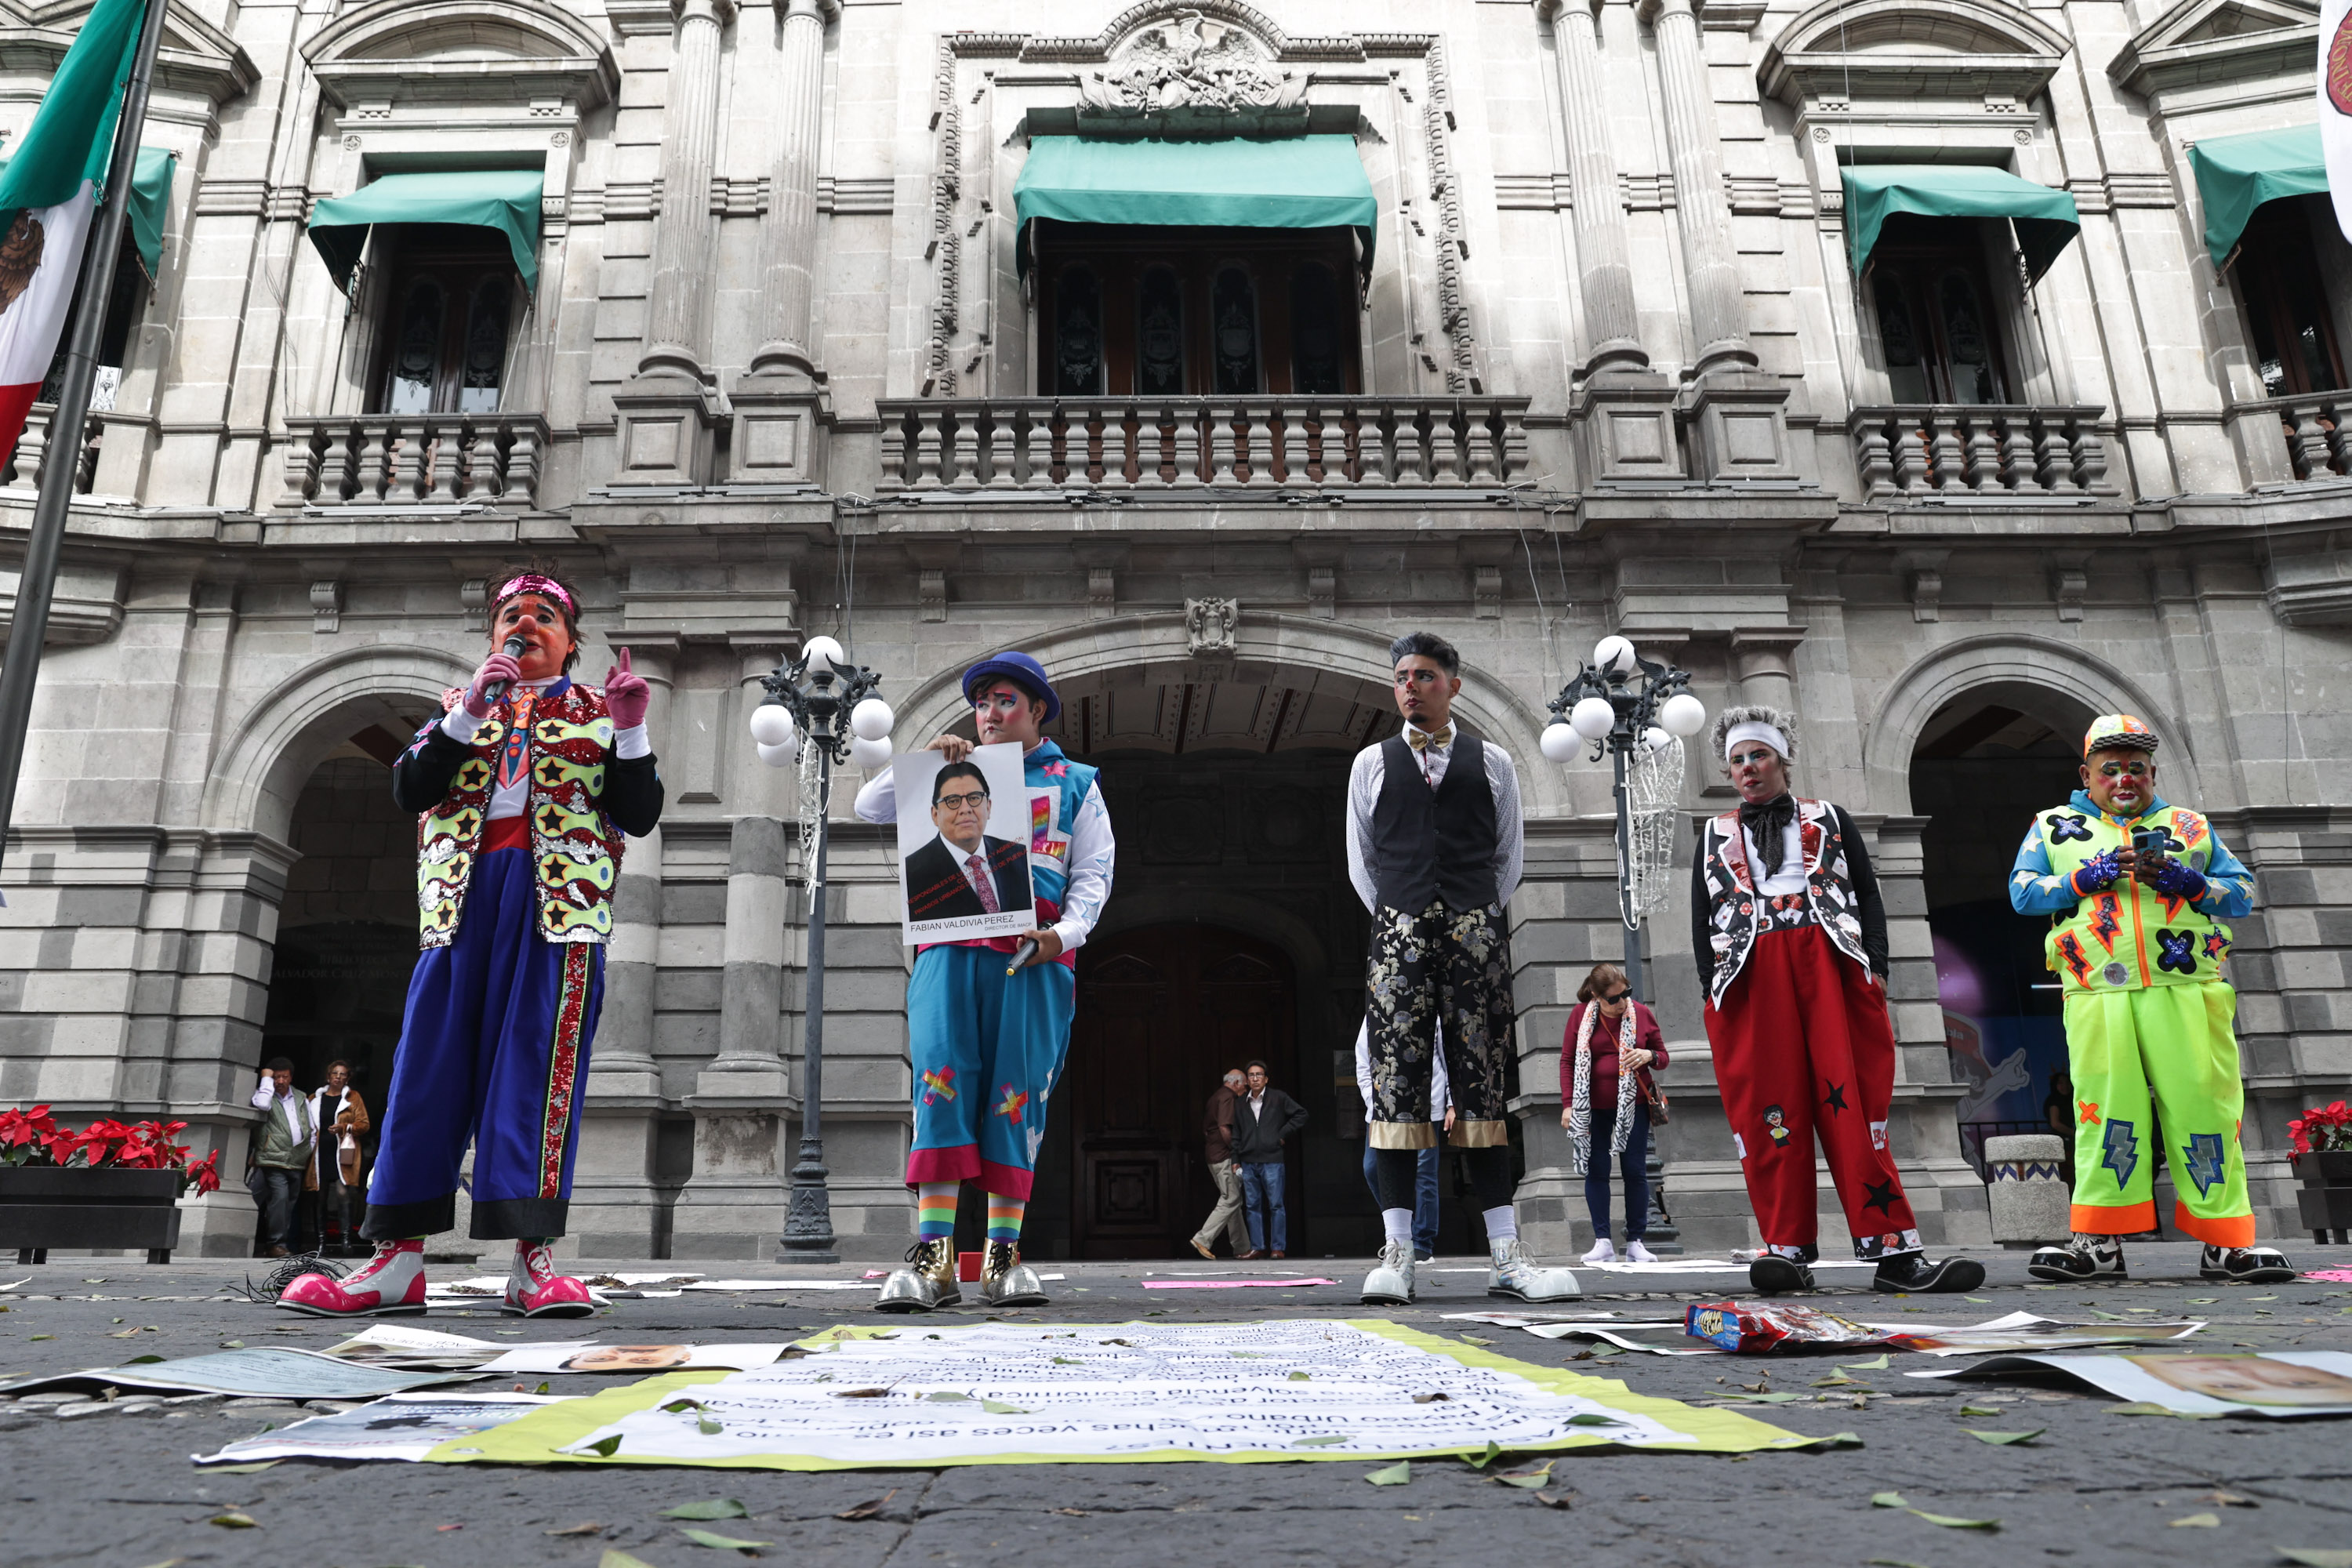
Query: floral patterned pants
pixel 1440 979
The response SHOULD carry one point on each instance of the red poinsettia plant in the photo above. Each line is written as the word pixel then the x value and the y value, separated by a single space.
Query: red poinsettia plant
pixel 2321 1129
pixel 33 1138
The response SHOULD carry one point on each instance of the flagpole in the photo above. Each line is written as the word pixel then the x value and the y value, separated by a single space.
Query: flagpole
pixel 38 579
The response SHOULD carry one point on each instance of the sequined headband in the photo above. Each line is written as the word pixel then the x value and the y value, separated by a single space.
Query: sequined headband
pixel 532 582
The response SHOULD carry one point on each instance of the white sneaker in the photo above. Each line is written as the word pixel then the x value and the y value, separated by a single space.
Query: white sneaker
pixel 1603 1251
pixel 1512 1275
pixel 1637 1253
pixel 1390 1284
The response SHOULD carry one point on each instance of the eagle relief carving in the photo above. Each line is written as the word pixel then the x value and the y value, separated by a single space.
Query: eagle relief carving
pixel 20 258
pixel 1190 64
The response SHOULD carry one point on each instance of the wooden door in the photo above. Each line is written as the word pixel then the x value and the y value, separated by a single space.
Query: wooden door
pixel 1163 1012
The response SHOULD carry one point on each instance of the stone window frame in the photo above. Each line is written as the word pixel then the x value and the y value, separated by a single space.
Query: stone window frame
pixel 1951 81
pixel 400 115
pixel 1418 329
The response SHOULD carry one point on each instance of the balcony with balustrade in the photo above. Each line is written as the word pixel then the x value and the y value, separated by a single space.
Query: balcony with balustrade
pixel 1977 452
pixel 1363 446
pixel 420 460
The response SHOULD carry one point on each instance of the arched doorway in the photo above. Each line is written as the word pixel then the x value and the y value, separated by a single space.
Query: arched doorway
pixel 347 929
pixel 1983 765
pixel 1164 1011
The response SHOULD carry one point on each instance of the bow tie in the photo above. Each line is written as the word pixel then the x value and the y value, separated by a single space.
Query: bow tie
pixel 1421 741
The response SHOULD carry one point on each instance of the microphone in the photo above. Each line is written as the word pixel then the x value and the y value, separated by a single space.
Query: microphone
pixel 1022 955
pixel 515 647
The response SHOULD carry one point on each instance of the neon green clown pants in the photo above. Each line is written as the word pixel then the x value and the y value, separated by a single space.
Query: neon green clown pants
pixel 2167 1049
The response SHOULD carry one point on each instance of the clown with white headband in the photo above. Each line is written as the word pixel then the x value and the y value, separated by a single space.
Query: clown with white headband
pixel 1791 938
pixel 523 789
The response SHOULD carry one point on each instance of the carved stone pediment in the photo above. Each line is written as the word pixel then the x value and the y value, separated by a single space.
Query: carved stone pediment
pixel 1192 73
pixel 2203 44
pixel 1878 50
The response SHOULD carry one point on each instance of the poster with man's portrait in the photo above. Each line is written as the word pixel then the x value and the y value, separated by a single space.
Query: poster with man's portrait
pixel 963 844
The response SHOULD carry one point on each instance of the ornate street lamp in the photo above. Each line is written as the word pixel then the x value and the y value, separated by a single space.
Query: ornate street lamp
pixel 1639 713
pixel 821 710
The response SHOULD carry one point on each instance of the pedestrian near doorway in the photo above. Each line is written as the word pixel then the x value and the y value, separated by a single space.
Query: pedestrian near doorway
pixel 340 1117
pixel 281 1153
pixel 1789 936
pixel 523 790
pixel 1217 1145
pixel 1435 844
pixel 1264 1120
pixel 1609 1056
pixel 2135 891
pixel 1426 1172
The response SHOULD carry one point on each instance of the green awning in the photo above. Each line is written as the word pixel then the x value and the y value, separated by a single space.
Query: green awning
pixel 2235 175
pixel 1292 182
pixel 151 203
pixel 504 199
pixel 2045 219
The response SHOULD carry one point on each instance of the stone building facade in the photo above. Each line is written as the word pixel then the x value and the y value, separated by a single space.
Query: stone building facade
pixel 773 353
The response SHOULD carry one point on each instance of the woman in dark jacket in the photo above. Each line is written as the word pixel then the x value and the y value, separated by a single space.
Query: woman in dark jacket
pixel 1610 1050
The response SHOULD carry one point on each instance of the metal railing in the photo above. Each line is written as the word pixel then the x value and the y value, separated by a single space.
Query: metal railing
pixel 1988 448
pixel 1244 442
pixel 413 460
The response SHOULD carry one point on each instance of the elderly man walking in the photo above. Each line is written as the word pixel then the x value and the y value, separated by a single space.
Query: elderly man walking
pixel 1217 1133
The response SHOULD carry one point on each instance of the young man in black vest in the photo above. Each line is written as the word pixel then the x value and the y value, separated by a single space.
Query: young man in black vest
pixel 1434 851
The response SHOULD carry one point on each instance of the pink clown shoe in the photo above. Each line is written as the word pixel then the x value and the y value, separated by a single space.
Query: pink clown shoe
pixel 391 1284
pixel 534 1290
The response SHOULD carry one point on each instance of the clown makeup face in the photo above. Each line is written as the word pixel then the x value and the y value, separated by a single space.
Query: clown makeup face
pixel 1002 711
pixel 2121 780
pixel 1758 772
pixel 539 621
pixel 1424 692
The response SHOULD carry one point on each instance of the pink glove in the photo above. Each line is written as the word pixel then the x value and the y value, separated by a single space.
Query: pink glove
pixel 495 668
pixel 626 695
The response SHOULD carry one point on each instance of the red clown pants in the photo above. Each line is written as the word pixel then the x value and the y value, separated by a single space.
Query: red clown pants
pixel 1803 1046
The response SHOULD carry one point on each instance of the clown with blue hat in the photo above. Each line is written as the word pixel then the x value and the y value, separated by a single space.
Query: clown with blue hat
pixel 986 1030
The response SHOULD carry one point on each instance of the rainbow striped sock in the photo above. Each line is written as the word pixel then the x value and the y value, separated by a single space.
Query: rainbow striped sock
pixel 935 1208
pixel 1004 1216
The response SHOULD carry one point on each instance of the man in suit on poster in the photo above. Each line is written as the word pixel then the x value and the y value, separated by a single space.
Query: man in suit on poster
pixel 964 872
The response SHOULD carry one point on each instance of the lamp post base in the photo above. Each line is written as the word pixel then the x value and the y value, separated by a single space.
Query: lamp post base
pixel 808 1222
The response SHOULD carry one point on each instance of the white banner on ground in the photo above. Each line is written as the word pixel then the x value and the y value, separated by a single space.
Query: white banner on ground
pixel 996 1391
pixel 2270 1382
pixel 401 1426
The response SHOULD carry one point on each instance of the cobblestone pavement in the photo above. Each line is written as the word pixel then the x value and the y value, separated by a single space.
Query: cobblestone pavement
pixel 116 1488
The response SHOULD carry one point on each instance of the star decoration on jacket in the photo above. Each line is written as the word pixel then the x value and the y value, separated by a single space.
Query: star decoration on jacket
pixel 1055 771
pixel 1836 1098
pixel 1883 1198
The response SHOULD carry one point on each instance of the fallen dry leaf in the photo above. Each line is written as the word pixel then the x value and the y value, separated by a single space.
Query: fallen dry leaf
pixel 870 1508
pixel 590 1528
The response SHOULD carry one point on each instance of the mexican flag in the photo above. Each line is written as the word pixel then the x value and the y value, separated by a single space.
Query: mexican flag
pixel 48 201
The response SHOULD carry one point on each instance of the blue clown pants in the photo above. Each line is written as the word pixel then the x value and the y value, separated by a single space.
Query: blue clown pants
pixel 986 1046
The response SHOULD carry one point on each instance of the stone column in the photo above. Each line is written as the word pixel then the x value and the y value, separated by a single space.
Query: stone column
pixel 1709 261
pixel 1605 266
pixel 667 411
pixel 781 404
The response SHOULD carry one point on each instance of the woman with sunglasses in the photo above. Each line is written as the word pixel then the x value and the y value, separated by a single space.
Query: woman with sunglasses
pixel 1607 1057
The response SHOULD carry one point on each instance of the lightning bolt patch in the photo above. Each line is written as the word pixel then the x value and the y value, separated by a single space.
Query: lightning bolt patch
pixel 2122 1150
pixel 2205 1164
pixel 2107 923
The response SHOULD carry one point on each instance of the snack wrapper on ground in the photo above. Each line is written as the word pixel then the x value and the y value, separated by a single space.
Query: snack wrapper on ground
pixel 1758 1328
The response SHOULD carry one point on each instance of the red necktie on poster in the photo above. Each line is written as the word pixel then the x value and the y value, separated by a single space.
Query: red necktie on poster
pixel 983 884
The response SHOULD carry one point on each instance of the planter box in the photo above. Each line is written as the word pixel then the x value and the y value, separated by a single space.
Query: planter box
pixel 41 1208
pixel 2324 1199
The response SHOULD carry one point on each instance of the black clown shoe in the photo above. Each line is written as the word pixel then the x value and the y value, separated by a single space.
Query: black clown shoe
pixel 2244 1265
pixel 1773 1275
pixel 2073 1260
pixel 1910 1272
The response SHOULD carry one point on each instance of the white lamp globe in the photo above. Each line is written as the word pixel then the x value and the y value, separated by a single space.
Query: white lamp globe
pixel 823 654
pixel 1592 717
pixel 870 753
pixel 1683 715
pixel 771 724
pixel 1559 744
pixel 779 756
pixel 1613 655
pixel 1654 739
pixel 871 719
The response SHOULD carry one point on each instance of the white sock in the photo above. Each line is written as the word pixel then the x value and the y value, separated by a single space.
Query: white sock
pixel 1502 1225
pixel 1396 1226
